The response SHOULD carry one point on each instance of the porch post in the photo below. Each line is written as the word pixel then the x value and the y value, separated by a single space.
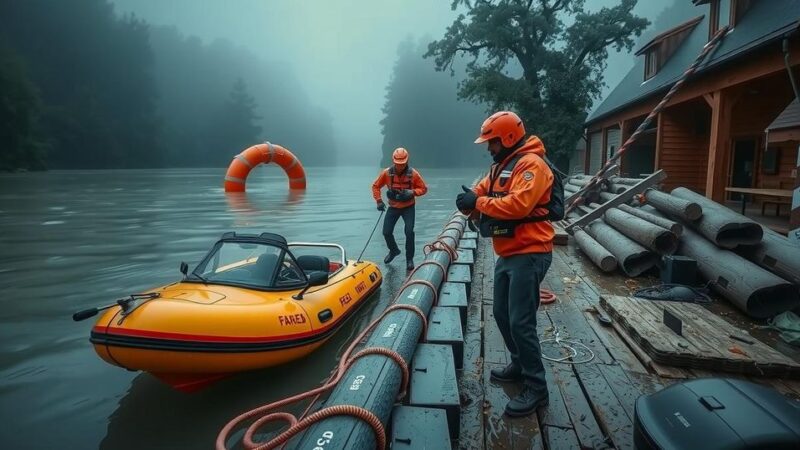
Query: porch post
pixel 719 146
pixel 794 220
pixel 623 136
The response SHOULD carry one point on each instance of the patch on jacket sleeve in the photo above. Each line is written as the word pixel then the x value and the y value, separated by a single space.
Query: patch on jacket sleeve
pixel 528 175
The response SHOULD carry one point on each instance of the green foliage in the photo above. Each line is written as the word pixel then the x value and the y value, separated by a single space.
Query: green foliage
pixel 93 73
pixel 115 93
pixel 22 145
pixel 423 114
pixel 542 59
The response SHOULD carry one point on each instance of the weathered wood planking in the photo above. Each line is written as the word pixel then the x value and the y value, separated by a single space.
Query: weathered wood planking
pixel 607 407
pixel 560 438
pixel 503 432
pixel 471 380
pixel 705 344
pixel 494 348
pixel 571 324
pixel 588 431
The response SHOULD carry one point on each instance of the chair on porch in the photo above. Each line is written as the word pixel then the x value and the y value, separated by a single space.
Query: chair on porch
pixel 775 184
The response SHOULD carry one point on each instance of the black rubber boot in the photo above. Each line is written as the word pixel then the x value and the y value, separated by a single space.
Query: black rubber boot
pixel 409 265
pixel 507 374
pixel 527 401
pixel 391 255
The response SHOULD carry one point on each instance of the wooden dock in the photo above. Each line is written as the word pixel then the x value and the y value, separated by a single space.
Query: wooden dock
pixel 592 403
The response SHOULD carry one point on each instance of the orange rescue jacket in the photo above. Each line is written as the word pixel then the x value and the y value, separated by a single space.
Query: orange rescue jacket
pixel 523 192
pixel 409 179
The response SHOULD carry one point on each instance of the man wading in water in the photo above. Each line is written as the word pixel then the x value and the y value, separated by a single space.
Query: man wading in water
pixel 516 206
pixel 403 183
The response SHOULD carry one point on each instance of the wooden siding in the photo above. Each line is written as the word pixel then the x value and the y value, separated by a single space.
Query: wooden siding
pixel 595 152
pixel 684 146
pixel 787 161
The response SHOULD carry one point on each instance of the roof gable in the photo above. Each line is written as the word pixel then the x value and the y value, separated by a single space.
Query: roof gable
pixel 764 22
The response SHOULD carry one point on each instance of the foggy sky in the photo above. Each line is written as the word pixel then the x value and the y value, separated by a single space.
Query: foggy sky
pixel 342 51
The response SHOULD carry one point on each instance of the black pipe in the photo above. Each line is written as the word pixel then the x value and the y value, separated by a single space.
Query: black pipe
pixel 373 382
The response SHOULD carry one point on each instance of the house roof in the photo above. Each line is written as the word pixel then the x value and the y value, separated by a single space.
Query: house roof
pixel 764 22
pixel 671 32
pixel 789 118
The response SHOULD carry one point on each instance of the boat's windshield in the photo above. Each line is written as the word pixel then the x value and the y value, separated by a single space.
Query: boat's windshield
pixel 249 264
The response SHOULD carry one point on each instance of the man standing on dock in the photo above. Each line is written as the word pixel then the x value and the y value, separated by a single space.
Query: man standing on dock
pixel 514 202
pixel 404 184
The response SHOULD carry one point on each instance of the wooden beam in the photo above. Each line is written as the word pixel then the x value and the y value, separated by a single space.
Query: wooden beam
pixel 719 147
pixel 659 147
pixel 709 98
pixel 768 61
pixel 792 134
pixel 623 137
pixel 624 197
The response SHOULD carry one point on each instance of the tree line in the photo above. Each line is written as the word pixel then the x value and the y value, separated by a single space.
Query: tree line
pixel 82 87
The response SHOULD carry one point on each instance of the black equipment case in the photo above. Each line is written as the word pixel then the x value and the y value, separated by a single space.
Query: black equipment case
pixel 716 413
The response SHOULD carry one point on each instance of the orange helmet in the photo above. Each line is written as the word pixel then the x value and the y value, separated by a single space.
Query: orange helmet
pixel 504 125
pixel 400 155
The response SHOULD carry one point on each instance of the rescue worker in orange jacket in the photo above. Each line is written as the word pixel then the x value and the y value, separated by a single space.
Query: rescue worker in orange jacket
pixel 512 202
pixel 403 185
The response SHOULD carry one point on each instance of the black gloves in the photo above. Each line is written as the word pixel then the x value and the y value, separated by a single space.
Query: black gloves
pixel 466 201
pixel 400 195
pixel 381 206
pixel 405 195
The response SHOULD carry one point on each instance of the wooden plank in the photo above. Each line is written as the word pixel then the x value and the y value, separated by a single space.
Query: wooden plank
pixel 470 383
pixel 705 342
pixel 626 388
pixel 555 414
pixel 503 432
pixel 494 348
pixel 624 197
pixel 571 325
pixel 660 369
pixel 586 427
pixel 607 408
pixel 560 438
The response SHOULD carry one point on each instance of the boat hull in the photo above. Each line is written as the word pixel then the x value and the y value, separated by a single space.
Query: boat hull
pixel 191 334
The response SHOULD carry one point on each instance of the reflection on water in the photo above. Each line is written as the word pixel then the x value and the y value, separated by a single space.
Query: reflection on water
pixel 72 240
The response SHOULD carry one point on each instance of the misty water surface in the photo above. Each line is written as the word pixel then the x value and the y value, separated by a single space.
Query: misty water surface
pixel 72 240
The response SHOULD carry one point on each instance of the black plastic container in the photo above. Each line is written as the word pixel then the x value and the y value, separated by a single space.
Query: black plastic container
pixel 716 413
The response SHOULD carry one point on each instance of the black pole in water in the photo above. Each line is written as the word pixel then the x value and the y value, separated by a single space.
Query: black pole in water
pixel 370 236
pixel 373 382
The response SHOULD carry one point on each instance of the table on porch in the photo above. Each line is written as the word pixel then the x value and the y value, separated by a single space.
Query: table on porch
pixel 779 193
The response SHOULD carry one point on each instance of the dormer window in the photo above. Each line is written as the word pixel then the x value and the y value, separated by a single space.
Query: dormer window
pixel 660 48
pixel 724 13
pixel 651 63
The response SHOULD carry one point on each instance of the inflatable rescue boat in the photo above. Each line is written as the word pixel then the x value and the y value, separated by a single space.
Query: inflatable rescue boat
pixel 249 304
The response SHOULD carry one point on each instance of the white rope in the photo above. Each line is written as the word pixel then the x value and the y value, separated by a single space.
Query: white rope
pixel 570 345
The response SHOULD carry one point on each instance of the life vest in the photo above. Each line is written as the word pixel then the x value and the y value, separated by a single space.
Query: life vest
pixel 501 175
pixel 404 181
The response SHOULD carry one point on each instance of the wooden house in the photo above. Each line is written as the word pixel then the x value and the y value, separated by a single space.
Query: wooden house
pixel 712 133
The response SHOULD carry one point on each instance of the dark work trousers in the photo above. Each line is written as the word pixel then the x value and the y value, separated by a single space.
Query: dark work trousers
pixel 392 214
pixel 516 298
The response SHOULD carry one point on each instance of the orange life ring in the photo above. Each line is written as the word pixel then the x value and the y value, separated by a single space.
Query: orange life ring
pixel 264 153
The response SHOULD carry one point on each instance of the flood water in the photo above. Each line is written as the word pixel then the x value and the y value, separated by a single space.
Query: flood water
pixel 73 240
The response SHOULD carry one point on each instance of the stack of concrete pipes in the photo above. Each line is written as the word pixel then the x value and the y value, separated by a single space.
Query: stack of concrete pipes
pixel 757 270
pixel 624 236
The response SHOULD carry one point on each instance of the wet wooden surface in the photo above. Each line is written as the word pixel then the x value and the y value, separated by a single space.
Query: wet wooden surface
pixel 591 403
